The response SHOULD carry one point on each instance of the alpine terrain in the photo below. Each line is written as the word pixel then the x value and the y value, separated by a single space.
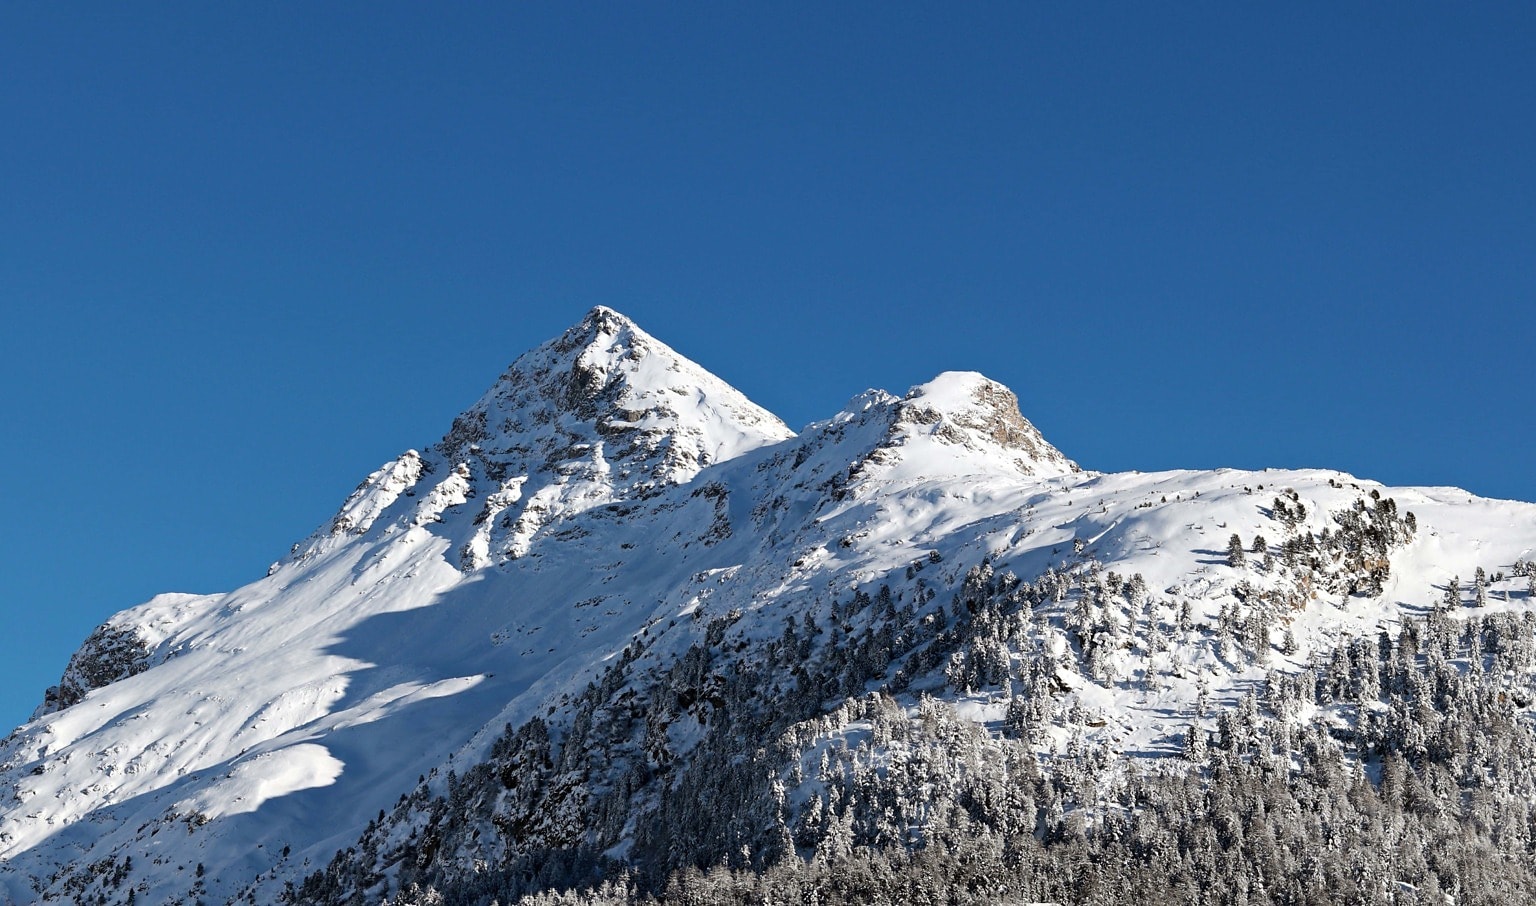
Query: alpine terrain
pixel 622 635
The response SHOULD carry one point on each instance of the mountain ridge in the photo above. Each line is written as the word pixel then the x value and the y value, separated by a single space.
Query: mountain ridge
pixel 488 585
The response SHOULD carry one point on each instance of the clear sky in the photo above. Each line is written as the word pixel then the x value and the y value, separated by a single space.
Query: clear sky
pixel 248 252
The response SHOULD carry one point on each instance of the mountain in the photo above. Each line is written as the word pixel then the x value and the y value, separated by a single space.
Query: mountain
pixel 621 626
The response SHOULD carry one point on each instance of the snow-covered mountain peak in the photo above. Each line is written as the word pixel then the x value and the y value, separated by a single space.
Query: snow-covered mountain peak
pixel 632 390
pixel 620 613
pixel 600 323
pixel 604 412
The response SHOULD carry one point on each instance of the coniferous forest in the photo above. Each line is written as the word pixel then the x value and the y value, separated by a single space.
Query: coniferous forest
pixel 1395 769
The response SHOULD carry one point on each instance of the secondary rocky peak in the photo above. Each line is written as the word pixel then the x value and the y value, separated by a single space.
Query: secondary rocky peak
pixel 960 425
pixel 968 410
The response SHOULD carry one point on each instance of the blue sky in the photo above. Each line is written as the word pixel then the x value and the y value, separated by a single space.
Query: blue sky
pixel 249 252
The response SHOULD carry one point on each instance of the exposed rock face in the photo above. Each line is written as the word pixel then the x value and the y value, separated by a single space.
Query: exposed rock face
pixel 109 654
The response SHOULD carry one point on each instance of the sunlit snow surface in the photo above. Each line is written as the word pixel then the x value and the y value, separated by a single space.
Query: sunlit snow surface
pixel 603 489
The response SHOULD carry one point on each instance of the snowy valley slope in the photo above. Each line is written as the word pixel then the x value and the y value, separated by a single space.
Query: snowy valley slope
pixel 615 572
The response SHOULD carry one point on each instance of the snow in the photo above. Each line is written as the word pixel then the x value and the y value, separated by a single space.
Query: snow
pixel 253 781
pixel 607 489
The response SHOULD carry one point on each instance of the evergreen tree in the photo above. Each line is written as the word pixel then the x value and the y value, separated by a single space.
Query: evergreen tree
pixel 1452 598
pixel 1235 556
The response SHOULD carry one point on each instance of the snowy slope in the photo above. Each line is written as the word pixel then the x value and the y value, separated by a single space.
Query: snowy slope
pixel 314 691
pixel 608 501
